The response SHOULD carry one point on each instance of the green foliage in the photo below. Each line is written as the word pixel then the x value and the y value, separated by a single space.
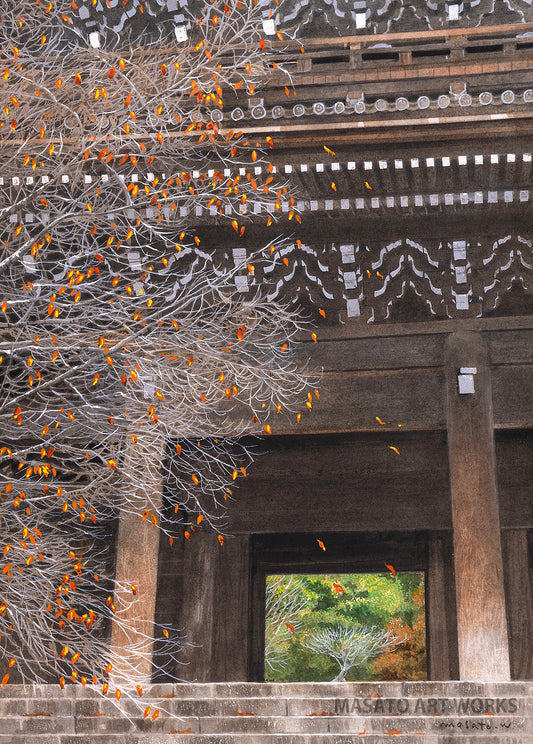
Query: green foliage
pixel 409 660
pixel 379 600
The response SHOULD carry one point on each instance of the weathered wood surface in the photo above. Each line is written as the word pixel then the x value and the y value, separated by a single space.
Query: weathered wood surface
pixel 351 402
pixel 510 346
pixel 137 550
pixel 363 354
pixel 518 591
pixel 514 476
pixel 345 482
pixel 441 625
pixel 481 610
pixel 215 605
pixel 512 394
pixel 399 348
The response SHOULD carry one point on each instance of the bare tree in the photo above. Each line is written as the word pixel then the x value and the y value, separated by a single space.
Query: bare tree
pixel 351 646
pixel 284 605
pixel 118 332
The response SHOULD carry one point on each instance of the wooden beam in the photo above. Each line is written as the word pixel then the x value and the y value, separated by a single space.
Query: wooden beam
pixel 365 484
pixel 481 612
pixel 350 401
pixel 389 38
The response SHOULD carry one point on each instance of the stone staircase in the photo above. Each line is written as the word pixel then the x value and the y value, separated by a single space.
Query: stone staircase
pixel 257 713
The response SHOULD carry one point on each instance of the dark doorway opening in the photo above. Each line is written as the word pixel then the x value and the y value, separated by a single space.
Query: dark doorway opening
pixel 348 553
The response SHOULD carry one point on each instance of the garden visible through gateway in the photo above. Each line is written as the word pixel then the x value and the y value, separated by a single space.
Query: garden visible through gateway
pixel 338 627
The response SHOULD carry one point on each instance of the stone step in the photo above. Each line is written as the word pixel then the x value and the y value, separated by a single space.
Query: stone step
pixel 256 738
pixel 502 728
pixel 294 689
pixel 68 704
pixel 96 705
pixel 266 724
pixel 306 713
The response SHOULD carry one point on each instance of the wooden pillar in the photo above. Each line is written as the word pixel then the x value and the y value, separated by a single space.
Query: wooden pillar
pixel 481 616
pixel 215 610
pixel 137 552
pixel 440 604
pixel 517 574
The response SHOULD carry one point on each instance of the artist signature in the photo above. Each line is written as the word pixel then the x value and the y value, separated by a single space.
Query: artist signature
pixel 467 724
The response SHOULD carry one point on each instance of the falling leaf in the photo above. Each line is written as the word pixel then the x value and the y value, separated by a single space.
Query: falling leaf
pixel 380 421
pixel 321 544
pixel 221 539
pixel 338 588
pixel 394 449
pixel 391 568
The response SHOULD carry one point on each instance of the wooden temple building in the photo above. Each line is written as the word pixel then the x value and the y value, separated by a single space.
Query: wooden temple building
pixel 416 243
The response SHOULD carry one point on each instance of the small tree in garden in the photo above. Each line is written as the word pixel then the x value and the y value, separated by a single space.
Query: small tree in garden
pixel 119 334
pixel 351 646
pixel 284 604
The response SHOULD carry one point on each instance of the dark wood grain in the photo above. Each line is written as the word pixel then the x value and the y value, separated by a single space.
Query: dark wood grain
pixel 481 611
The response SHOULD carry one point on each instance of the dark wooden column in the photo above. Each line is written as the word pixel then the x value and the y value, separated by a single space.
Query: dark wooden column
pixel 481 615
pixel 518 592
pixel 215 611
pixel 440 607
